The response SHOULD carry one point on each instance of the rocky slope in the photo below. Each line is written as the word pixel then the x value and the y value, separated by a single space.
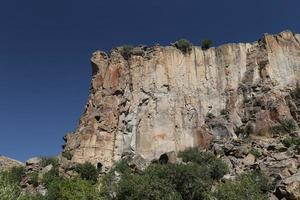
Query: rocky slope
pixel 160 100
pixel 8 163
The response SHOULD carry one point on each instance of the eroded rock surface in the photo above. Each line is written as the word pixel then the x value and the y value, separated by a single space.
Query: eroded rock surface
pixel 8 163
pixel 161 100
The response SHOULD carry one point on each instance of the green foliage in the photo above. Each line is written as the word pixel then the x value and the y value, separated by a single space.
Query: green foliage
pixel 72 189
pixel 256 153
pixel 184 46
pixel 51 176
pixel 15 174
pixel 45 161
pixel 9 189
pixel 146 187
pixel 206 44
pixel 126 51
pixel 215 166
pixel 250 186
pixel 290 141
pixel 34 178
pixel 210 115
pixel 67 155
pixel 286 126
pixel 190 180
pixel 31 197
pixel 87 171
pixel 122 167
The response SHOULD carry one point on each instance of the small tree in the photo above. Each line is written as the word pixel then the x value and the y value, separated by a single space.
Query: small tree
pixel 87 171
pixel 126 51
pixel 184 46
pixel 206 44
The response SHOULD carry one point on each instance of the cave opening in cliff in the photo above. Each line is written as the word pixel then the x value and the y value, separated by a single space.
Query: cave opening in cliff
pixel 99 166
pixel 163 159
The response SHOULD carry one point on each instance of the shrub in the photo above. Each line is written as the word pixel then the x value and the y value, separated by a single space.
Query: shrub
pixel 126 51
pixel 51 176
pixel 250 186
pixel 146 187
pixel 9 189
pixel 215 166
pixel 184 46
pixel 45 161
pixel 256 153
pixel 87 171
pixel 15 174
pixel 290 141
pixel 285 126
pixel 72 189
pixel 210 115
pixel 67 155
pixel 206 44
pixel 190 180
pixel 122 167
pixel 34 178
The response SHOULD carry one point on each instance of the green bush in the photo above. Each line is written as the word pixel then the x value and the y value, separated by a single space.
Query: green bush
pixel 51 176
pixel 126 51
pixel 215 166
pixel 45 161
pixel 286 126
pixel 184 46
pixel 9 190
pixel 145 187
pixel 249 186
pixel 210 115
pixel 290 141
pixel 72 189
pixel 34 178
pixel 87 171
pixel 190 180
pixel 67 155
pixel 15 174
pixel 206 44
pixel 256 153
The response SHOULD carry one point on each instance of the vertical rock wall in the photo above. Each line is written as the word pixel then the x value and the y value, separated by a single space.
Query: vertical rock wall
pixel 160 100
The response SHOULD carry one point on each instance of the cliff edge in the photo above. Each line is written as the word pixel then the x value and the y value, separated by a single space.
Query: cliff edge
pixel 160 100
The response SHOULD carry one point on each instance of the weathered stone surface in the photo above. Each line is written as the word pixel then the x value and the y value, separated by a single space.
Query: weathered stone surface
pixel 161 100
pixel 8 163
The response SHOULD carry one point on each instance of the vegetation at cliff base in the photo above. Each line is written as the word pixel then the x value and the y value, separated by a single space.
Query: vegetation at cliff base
pixel 192 179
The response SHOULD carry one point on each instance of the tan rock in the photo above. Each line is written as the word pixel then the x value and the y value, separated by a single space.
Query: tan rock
pixel 158 101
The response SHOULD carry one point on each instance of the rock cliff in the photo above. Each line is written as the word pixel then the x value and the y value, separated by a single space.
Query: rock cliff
pixel 159 100
pixel 8 163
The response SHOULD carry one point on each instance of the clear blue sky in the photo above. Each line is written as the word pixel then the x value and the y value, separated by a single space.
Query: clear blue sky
pixel 45 47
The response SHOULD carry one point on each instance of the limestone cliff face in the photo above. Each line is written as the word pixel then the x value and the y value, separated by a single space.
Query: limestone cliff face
pixel 161 100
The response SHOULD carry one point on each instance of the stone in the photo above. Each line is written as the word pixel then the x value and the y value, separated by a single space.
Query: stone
pixel 249 159
pixel 8 163
pixel 33 161
pixel 160 100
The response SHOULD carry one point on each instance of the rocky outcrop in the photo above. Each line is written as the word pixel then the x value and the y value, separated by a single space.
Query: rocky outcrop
pixel 160 100
pixel 8 163
pixel 278 158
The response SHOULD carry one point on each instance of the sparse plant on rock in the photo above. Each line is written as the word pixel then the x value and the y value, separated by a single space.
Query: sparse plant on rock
pixel 286 126
pixel 67 155
pixel 45 161
pixel 184 46
pixel 126 51
pixel 206 44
